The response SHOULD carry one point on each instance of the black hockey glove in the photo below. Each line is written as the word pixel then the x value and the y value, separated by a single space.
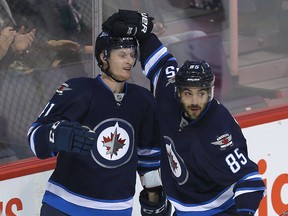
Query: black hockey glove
pixel 129 23
pixel 71 137
pixel 162 208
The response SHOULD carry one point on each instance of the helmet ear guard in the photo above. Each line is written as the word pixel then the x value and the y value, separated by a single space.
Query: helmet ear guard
pixel 195 74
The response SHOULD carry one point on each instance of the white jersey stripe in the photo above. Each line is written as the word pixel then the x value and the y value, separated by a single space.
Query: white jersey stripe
pixel 155 58
pixel 88 203
pixel 215 203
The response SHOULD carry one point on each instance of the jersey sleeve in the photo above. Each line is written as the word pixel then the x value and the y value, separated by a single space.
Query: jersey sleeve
pixel 70 103
pixel 228 164
pixel 250 188
pixel 149 138
pixel 158 65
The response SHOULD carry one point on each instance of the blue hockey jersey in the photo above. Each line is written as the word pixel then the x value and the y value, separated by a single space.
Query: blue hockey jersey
pixel 204 165
pixel 102 183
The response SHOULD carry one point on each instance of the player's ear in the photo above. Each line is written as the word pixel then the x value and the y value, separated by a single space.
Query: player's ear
pixel 178 92
pixel 103 57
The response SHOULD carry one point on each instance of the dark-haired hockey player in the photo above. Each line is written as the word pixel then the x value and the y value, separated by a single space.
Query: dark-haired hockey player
pixel 102 131
pixel 205 166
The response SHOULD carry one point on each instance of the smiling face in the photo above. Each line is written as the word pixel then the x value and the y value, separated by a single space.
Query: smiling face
pixel 193 100
pixel 120 62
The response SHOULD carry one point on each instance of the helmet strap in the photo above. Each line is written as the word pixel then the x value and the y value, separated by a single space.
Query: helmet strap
pixel 108 73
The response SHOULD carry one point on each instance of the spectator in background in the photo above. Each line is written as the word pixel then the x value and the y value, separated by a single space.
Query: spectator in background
pixel 12 42
pixel 16 42
pixel 6 39
pixel 213 5
pixel 64 21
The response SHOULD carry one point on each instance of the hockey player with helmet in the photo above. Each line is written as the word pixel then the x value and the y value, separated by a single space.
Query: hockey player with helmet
pixel 205 166
pixel 102 131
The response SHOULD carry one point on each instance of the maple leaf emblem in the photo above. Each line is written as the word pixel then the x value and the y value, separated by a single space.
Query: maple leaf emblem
pixel 225 140
pixel 113 143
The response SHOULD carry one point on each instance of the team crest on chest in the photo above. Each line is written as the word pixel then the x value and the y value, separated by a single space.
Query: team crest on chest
pixel 224 141
pixel 115 143
pixel 176 163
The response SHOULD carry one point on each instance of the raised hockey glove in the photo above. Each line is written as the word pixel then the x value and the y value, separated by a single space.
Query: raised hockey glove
pixel 162 208
pixel 129 23
pixel 71 137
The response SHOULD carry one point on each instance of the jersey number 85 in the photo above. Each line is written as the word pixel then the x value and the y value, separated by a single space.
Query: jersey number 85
pixel 235 159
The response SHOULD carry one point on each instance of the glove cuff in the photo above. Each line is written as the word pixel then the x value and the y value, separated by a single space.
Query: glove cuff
pixel 161 208
pixel 248 202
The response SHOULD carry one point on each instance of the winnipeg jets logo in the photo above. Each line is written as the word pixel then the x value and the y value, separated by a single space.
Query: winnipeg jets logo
pixel 115 143
pixel 224 141
pixel 176 163
pixel 62 88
